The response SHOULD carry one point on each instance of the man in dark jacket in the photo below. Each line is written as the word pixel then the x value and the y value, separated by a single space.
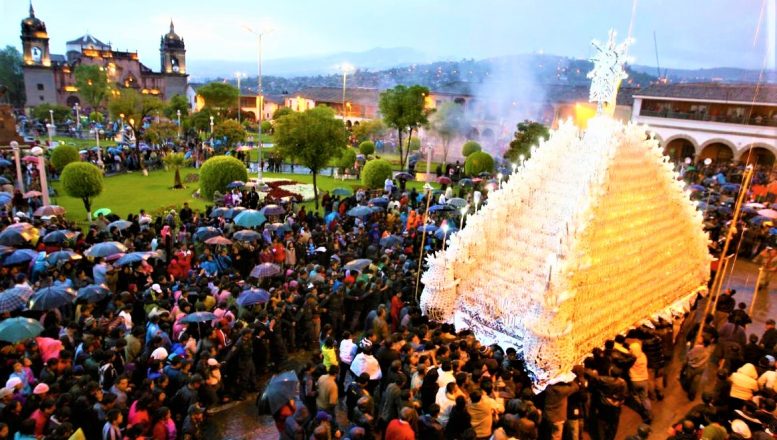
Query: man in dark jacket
pixel 556 406
pixel 652 346
pixel 610 392
pixel 769 338
pixel 429 427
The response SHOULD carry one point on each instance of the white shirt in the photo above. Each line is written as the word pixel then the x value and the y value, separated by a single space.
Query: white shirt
pixel 445 404
pixel 159 354
pixel 127 319
pixel 366 364
pixel 347 350
pixel 444 378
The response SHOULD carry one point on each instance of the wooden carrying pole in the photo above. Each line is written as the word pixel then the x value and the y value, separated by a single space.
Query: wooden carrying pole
pixel 719 274
pixel 428 189
pixel 755 291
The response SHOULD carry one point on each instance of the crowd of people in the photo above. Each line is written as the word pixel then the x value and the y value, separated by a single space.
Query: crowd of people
pixel 176 336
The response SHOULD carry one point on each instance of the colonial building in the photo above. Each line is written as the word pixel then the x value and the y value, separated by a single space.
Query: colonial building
pixel 359 103
pixel 709 120
pixel 49 78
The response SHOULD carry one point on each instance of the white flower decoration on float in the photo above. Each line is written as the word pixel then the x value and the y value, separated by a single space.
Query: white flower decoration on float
pixel 591 237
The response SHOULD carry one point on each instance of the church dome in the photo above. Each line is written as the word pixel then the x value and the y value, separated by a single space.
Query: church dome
pixel 32 24
pixel 171 39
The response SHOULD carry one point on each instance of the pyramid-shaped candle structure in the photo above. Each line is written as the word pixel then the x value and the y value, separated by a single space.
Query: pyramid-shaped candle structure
pixel 591 236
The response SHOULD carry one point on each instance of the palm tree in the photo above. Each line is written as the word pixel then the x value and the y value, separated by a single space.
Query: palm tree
pixel 176 161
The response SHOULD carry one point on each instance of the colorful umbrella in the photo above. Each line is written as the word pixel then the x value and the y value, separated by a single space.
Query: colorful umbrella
pixel 133 257
pixel 14 299
pixel 247 235
pixel 457 202
pixel 380 201
pixel 441 208
pixel 51 297
pixel 218 241
pixel 13 237
pixel 342 192
pixel 103 211
pixel 205 232
pixel 430 228
pixel 265 270
pixel 273 210
pixel 58 237
pixel 444 180
pixel 5 163
pixel 359 211
pixel 14 330
pixel 20 256
pixel 62 256
pixel 391 241
pixel 193 318
pixel 105 249
pixel 404 176
pixel 218 212
pixel 252 296
pixel 120 225
pixel 357 264
pixel 31 194
pixel 232 212
pixel 236 184
pixel 250 218
pixel 49 210
pixel 466 182
pixel 93 293
pixel 768 213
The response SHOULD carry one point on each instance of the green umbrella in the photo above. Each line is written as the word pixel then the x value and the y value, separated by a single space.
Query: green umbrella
pixel 343 192
pixel 103 211
pixel 14 330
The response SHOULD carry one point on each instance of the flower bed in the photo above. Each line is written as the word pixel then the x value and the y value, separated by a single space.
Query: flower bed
pixel 281 189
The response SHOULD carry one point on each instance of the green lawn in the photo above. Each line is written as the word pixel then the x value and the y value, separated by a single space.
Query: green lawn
pixel 87 142
pixel 129 193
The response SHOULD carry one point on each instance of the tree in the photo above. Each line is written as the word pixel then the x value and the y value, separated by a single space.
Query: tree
pixel 376 172
pixel 366 148
pixel 369 130
pixel 230 131
pixel 160 133
pixel 63 155
pixel 96 117
pixel 84 181
pixel 176 103
pixel 347 160
pixel 218 172
pixel 219 95
pixel 61 113
pixel 12 76
pixel 92 83
pixel 470 147
pixel 135 107
pixel 528 135
pixel 176 161
pixel 312 137
pixel 478 162
pixel 448 121
pixel 281 112
pixel 403 110
pixel 200 120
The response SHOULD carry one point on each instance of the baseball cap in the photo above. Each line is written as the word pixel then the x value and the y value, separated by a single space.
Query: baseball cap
pixel 40 388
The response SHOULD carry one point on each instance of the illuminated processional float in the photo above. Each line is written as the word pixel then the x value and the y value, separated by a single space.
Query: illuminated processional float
pixel 592 236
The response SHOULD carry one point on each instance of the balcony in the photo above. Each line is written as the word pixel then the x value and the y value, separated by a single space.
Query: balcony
pixel 741 120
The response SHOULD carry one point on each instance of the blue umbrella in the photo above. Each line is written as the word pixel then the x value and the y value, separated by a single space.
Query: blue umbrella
pixel 697 187
pixel 734 187
pixel 196 317
pixel 63 256
pixel 51 297
pixel 342 192
pixel 14 299
pixel 132 258
pixel 441 208
pixel 466 182
pixel 757 220
pixel 357 264
pixel 265 270
pixel 380 201
pixel 281 388
pixel 93 293
pixel 6 250
pixel 247 235
pixel 440 233
pixel 253 296
pixel 14 330
pixel 457 202
pixel 772 231
pixel 218 212
pixel 249 218
pixel 120 225
pixel 4 181
pixel 359 211
pixel 273 210
pixel 5 198
pixel 13 237
pixel 5 163
pixel 331 217
pixel 58 237
pixel 391 241
pixel 20 256
pixel 430 228
pixel 205 232
pixel 236 184
pixel 232 212
pixel 404 176
pixel 105 249
pixel 376 208
pixel 279 228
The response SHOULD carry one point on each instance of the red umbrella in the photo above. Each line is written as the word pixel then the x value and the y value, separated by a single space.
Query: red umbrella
pixel 444 180
pixel 30 159
pixel 218 240
pixel 29 194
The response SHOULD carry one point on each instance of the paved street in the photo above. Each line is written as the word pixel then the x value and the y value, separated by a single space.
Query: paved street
pixel 239 421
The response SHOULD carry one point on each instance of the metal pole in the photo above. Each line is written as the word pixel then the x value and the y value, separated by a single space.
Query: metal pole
pixel 44 187
pixel 53 127
pixel 17 159
pixel 755 291
pixel 732 228
pixel 99 150
pixel 238 97
pixel 428 189
pixel 260 111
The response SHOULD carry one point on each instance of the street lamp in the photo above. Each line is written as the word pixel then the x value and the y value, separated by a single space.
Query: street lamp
pixel 51 127
pixel 97 132
pixel 77 108
pixel 44 186
pixel 211 126
pixel 345 67
pixel 260 97
pixel 238 75
pixel 178 113
pixel 121 116
pixel 18 160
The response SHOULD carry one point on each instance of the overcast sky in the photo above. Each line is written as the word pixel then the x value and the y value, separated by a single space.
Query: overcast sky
pixel 690 33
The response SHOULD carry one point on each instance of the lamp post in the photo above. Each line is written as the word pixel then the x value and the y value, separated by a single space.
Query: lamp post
pixel 121 116
pixel 178 113
pixel 44 186
pixel 345 67
pixel 97 132
pixel 77 108
pixel 211 127
pixel 260 97
pixel 238 75
pixel 51 127
pixel 17 158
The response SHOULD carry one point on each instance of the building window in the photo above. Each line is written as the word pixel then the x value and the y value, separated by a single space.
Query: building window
pixel 41 97
pixel 40 86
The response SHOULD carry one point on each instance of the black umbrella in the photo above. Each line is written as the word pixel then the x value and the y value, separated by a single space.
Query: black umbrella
pixel 12 237
pixel 282 388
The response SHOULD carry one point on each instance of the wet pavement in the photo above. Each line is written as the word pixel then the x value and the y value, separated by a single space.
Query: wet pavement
pixel 240 421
